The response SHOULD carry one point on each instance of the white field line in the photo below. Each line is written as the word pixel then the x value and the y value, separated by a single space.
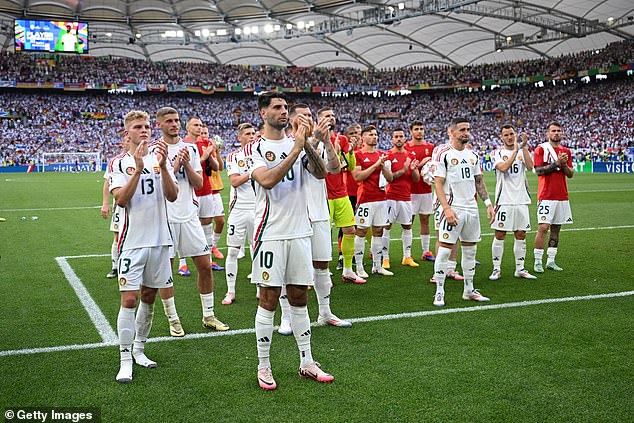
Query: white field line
pixel 97 207
pixel 29 351
pixel 51 208
pixel 93 310
pixel 398 239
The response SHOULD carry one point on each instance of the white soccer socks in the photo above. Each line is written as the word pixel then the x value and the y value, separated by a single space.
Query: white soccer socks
pixel 125 330
pixel 468 266
pixel 300 322
pixel 143 324
pixel 519 251
pixel 231 268
pixel 263 335
pixel 497 251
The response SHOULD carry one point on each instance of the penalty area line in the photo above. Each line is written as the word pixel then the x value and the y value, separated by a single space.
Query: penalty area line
pixel 368 319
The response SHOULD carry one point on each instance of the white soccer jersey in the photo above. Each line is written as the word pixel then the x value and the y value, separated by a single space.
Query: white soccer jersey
pixel 316 193
pixel 281 213
pixel 185 208
pixel 145 223
pixel 511 187
pixel 459 169
pixel 243 197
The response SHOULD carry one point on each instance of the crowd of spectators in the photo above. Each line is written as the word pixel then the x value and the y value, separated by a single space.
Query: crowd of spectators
pixel 22 67
pixel 597 118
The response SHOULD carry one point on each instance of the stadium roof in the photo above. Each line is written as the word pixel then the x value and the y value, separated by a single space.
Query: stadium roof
pixel 362 34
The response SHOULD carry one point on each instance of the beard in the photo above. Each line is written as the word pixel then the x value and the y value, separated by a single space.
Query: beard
pixel 276 124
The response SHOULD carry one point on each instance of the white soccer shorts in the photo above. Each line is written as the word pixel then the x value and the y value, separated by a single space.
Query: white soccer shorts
pixel 219 208
pixel 321 241
pixel 422 204
pixel 239 226
pixel 467 229
pixel 116 219
pixel 286 262
pixel 399 212
pixel 371 214
pixel 554 212
pixel 189 239
pixel 148 266
pixel 511 218
pixel 205 206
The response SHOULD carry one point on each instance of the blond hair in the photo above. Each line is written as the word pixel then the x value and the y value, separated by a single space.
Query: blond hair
pixel 133 115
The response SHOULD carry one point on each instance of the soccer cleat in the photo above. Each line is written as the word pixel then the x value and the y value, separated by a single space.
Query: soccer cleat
pixel 333 320
pixel 524 274
pixel 228 299
pixel 386 263
pixel 212 322
pixel 142 360
pixel 216 267
pixel 125 371
pixel 249 275
pixel 217 254
pixel 353 278
pixel 432 279
pixel 538 267
pixel 427 255
pixel 382 271
pixel 176 329
pixel 184 271
pixel 477 263
pixel 553 266
pixel 113 274
pixel 497 274
pixel 455 275
pixel 408 261
pixel 313 371
pixel 265 379
pixel 362 273
pixel 285 327
pixel 475 296
pixel 439 299
pixel 340 263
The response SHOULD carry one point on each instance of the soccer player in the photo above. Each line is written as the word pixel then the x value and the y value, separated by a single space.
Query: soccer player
pixel 241 208
pixel 319 215
pixel 141 181
pixel 457 178
pixel 353 133
pixel 511 200
pixel 282 255
pixel 404 167
pixel 117 212
pixel 207 152
pixel 182 215
pixel 371 202
pixel 216 187
pixel 421 191
pixel 553 164
pixel 341 212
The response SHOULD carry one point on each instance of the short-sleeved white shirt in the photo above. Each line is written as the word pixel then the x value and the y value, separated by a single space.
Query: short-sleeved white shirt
pixel 145 223
pixel 281 213
pixel 459 169
pixel 316 193
pixel 511 187
pixel 185 208
pixel 242 197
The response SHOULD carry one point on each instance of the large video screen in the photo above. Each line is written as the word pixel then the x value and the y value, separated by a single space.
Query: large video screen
pixel 55 36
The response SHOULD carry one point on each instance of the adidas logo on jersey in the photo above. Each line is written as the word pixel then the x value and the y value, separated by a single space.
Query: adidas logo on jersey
pixel 463 161
pixel 366 160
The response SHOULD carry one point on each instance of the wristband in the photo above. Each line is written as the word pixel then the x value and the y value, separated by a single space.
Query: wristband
pixel 487 202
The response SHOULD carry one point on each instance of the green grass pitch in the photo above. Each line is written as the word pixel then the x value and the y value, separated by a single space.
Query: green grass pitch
pixel 532 360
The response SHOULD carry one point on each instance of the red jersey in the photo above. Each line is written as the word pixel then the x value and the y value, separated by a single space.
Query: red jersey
pixel 420 151
pixel 352 186
pixel 369 190
pixel 335 183
pixel 400 189
pixel 552 186
pixel 206 189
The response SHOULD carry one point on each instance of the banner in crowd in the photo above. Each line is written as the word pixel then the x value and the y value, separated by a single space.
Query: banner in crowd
pixel 613 167
pixel 582 167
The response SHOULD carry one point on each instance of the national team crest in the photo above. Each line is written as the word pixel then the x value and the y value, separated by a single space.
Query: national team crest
pixel 500 225
pixel 265 276
pixel 445 236
pixel 116 226
pixel 157 170
pixel 472 161
pixel 543 217
pixel 130 170
pixel 362 221
pixel 454 161
pixel 270 156
pixel 505 157
pixel 122 281
pixel 241 163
